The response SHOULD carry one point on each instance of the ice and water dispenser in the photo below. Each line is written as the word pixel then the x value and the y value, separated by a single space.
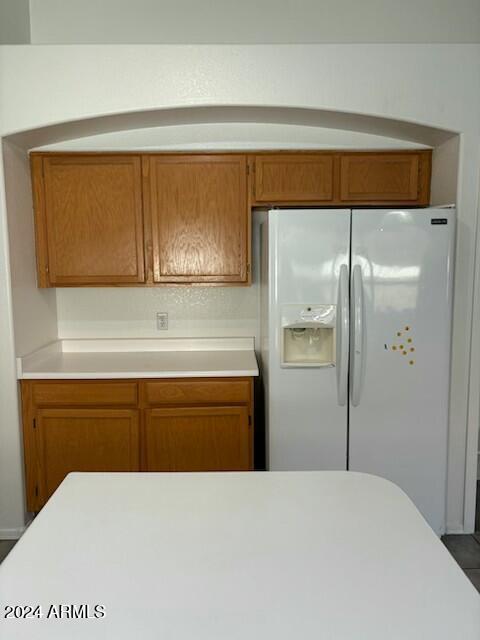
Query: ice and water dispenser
pixel 308 335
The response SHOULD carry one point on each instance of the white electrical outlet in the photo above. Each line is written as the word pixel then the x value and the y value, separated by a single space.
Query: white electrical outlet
pixel 162 321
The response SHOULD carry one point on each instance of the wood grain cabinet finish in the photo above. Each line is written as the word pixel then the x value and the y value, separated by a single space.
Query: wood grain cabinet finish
pixel 89 219
pixel 188 424
pixel 294 178
pixel 342 178
pixel 100 393
pixel 197 439
pixel 378 178
pixel 199 218
pixel 197 391
pixel 158 219
pixel 83 440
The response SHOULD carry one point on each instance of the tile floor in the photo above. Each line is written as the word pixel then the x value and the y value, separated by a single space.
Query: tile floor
pixel 466 551
pixel 5 547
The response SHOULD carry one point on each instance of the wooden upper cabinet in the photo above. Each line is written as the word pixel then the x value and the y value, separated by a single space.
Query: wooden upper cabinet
pixel 381 178
pixel 89 219
pixel 185 218
pixel 291 178
pixel 197 207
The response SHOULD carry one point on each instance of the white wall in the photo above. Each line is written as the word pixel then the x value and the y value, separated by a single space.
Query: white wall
pixel 34 310
pixel 14 21
pixel 253 21
pixel 231 136
pixel 431 85
pixel 445 174
pixel 27 321
pixel 12 512
pixel 127 312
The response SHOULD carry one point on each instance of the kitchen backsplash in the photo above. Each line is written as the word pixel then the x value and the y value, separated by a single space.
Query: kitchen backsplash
pixel 128 312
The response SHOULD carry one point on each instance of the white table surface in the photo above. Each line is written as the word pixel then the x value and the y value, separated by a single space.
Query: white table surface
pixel 324 555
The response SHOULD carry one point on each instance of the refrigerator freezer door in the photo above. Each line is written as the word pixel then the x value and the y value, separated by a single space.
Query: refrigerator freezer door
pixel 403 262
pixel 307 424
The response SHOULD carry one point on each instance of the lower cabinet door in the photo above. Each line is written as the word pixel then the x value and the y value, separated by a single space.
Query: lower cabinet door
pixel 83 440
pixel 198 439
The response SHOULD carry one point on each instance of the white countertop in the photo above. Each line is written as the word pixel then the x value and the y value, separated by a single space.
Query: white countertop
pixel 142 358
pixel 270 556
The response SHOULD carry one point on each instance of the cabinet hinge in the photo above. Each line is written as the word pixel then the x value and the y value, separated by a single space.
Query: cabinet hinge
pixel 36 490
pixel 248 268
pixel 249 421
pixel 34 423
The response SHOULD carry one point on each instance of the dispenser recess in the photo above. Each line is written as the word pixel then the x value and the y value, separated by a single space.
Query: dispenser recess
pixel 308 335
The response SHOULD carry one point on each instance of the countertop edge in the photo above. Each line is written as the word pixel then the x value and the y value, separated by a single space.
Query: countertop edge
pixel 105 375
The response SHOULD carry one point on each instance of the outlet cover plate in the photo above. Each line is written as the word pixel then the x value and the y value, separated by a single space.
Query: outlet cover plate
pixel 162 321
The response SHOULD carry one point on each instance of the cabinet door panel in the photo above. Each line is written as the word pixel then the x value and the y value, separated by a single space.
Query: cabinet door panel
pixel 198 439
pixel 56 393
pixel 84 440
pixel 197 391
pixel 94 219
pixel 294 178
pixel 379 177
pixel 199 218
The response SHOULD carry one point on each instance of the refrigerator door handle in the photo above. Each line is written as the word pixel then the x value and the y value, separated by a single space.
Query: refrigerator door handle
pixel 343 336
pixel 357 334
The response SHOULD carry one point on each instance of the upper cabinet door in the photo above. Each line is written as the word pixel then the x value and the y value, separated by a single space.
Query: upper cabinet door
pixel 291 178
pixel 89 219
pixel 385 178
pixel 199 218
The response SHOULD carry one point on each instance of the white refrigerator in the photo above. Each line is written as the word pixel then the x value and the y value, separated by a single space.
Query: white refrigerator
pixel 355 344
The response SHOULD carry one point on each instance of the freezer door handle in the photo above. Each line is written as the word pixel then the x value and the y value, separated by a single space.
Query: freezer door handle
pixel 343 336
pixel 358 335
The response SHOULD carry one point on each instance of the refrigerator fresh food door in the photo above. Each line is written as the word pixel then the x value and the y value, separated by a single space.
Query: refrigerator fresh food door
pixel 308 281
pixel 401 301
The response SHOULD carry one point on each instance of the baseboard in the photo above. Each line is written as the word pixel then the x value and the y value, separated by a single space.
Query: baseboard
pixel 456 528
pixel 11 534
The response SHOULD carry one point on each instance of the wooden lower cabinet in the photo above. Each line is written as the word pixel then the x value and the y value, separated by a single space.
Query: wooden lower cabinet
pixel 197 439
pixel 83 440
pixel 135 425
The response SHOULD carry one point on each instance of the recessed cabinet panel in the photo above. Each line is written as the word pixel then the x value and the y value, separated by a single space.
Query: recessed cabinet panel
pixel 197 391
pixel 299 177
pixel 174 218
pixel 83 440
pixel 199 218
pixel 197 439
pixel 60 393
pixel 379 177
pixel 175 424
pixel 93 219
